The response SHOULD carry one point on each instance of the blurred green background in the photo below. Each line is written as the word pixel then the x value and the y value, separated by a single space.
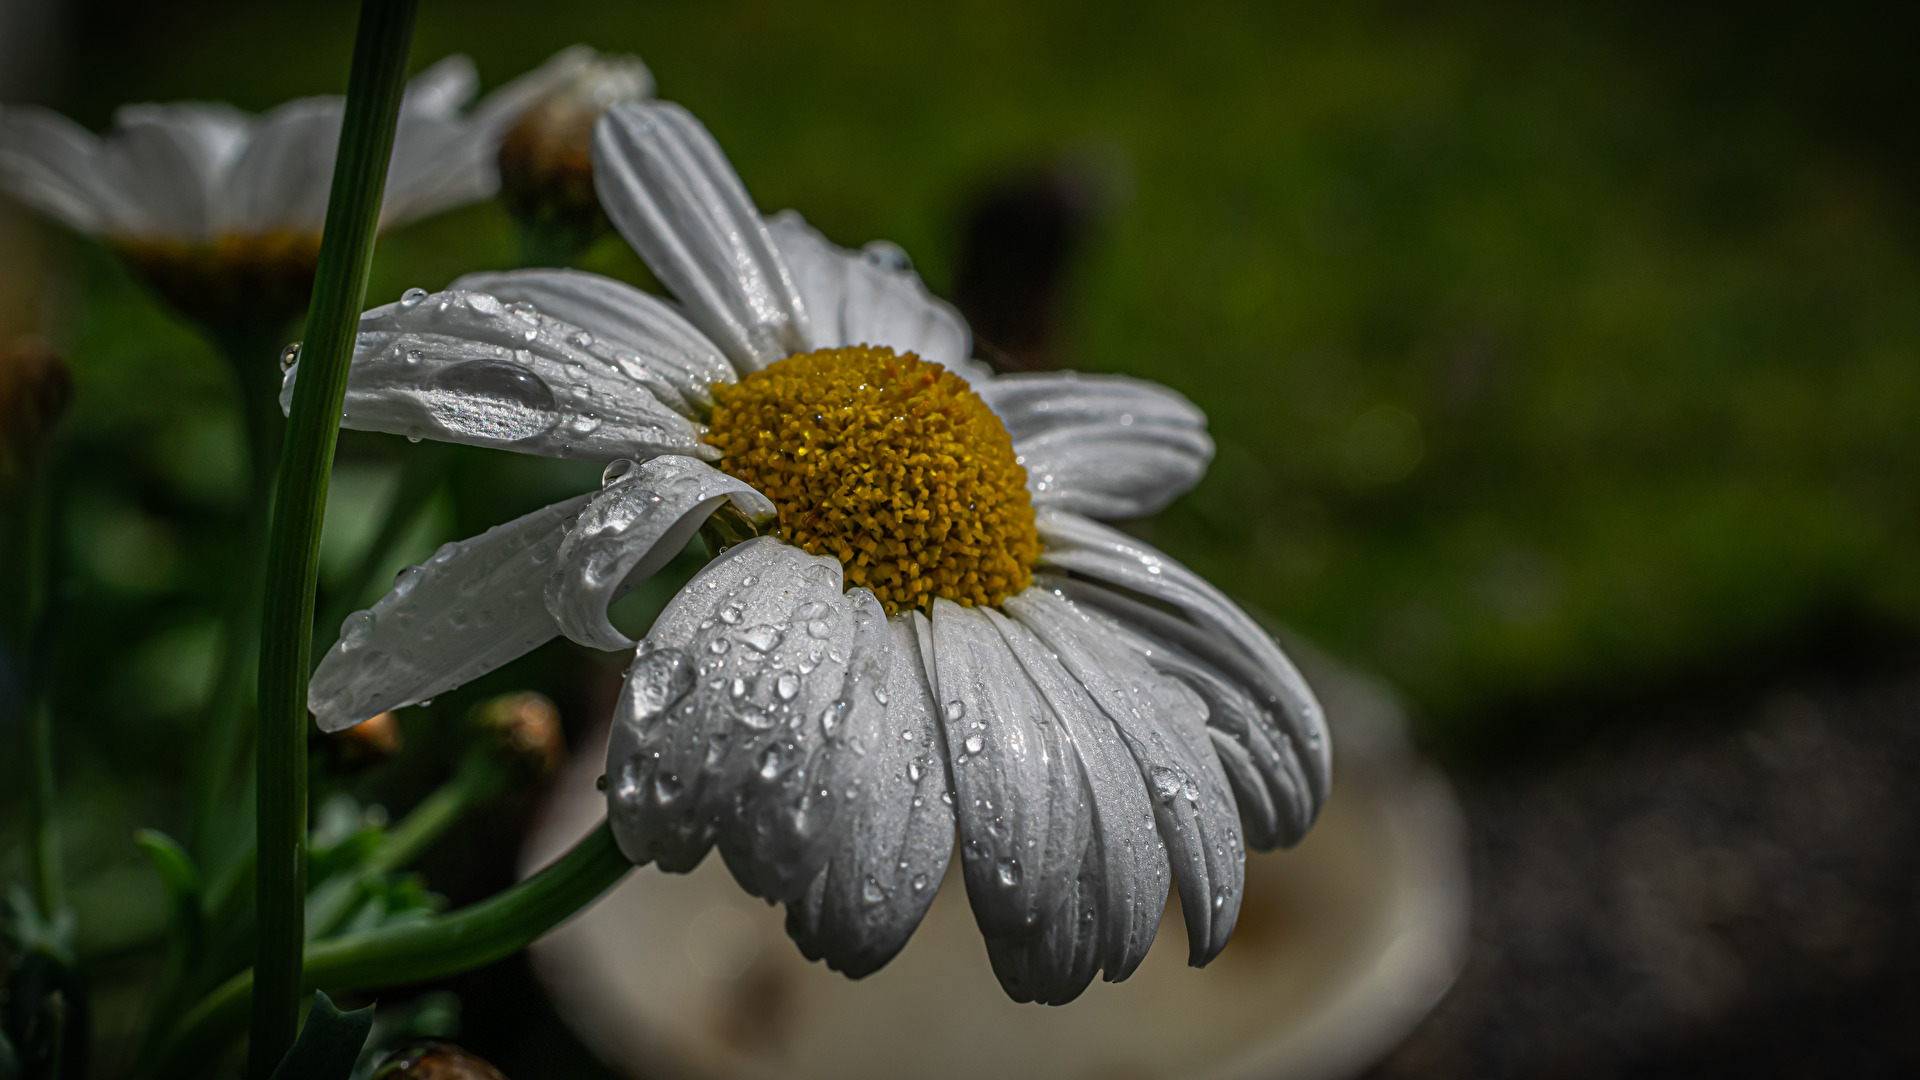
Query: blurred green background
pixel 1551 349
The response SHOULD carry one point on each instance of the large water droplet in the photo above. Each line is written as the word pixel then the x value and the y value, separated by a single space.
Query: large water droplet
pixel 289 356
pixel 655 682
pixel 412 297
pixel 759 638
pixel 491 399
pixel 355 629
pixel 731 614
pixel 616 471
pixel 1166 782
pixel 406 579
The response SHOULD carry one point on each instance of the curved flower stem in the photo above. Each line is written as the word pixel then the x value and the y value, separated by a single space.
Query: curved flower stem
pixel 374 87
pixel 413 952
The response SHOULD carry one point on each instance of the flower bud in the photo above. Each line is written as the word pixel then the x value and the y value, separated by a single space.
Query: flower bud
pixel 35 389
pixel 546 158
pixel 367 743
pixel 432 1060
pixel 526 726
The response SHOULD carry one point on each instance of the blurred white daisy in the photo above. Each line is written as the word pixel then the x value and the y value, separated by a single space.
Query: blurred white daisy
pixel 222 209
pixel 929 638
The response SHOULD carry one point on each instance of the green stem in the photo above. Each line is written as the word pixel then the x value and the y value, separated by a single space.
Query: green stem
pixel 44 830
pixel 414 952
pixel 481 776
pixel 374 87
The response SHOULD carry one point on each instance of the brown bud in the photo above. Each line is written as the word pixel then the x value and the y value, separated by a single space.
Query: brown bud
pixel 527 727
pixel 366 743
pixel 546 158
pixel 238 279
pixel 431 1060
pixel 35 390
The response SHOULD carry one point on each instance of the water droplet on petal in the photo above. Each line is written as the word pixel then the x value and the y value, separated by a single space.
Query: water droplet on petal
pixel 1166 782
pixel 872 893
pixel 1008 871
pixel 579 339
pixel 491 399
pixel 355 629
pixel 406 579
pixel 880 694
pixel 975 744
pixel 523 309
pixel 289 356
pixel 616 471
pixel 919 882
pixel 412 297
pixel 718 645
pixel 655 683
pixel 954 711
pixel 787 685
pixel 731 614
pixel 760 638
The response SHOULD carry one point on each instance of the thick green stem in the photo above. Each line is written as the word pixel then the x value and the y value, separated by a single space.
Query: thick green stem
pixel 374 87
pixel 414 952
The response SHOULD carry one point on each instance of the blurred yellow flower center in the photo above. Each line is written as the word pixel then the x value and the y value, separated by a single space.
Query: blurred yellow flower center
pixel 889 463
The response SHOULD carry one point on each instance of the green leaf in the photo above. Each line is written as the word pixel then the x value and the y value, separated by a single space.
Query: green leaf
pixel 180 876
pixel 329 1045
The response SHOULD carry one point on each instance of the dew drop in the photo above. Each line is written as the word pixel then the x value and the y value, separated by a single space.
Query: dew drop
pixel 491 399
pixel 718 645
pixel 954 711
pixel 872 893
pixel 770 763
pixel 913 770
pixel 355 630
pixel 655 683
pixel 1220 897
pixel 412 297
pixel 818 628
pixel 1166 782
pixel 739 689
pixel 760 638
pixel 880 694
pixel 666 788
pixel 289 356
pixel 975 744
pixel 919 882
pixel 1008 871
pixel 579 339
pixel 523 309
pixel 406 579
pixel 731 614
pixel 617 470
pixel 787 685
pixel 414 356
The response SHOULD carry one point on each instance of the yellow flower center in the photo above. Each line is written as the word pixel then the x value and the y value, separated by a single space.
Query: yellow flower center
pixel 889 463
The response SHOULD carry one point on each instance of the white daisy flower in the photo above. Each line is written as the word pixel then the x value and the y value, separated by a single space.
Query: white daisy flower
pixel 929 637
pixel 222 209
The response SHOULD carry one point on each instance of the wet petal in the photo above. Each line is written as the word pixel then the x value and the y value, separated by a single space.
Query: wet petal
pixel 765 632
pixel 1111 904
pixel 1102 445
pixel 1277 803
pixel 895 825
pixel 638 330
pixel 1087 549
pixel 474 606
pixel 672 193
pixel 869 297
pixel 1164 727
pixel 1011 772
pixel 628 531
pixel 464 367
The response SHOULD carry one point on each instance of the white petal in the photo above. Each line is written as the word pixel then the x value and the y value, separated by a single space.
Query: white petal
pixel 1012 773
pixel 869 297
pixel 671 192
pixel 475 605
pixel 628 531
pixel 1164 727
pixel 1088 549
pixel 895 824
pixel 1277 803
pixel 465 368
pixel 442 89
pixel 52 164
pixel 765 632
pixel 166 159
pixel 644 330
pixel 1121 885
pixel 282 178
pixel 1101 445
